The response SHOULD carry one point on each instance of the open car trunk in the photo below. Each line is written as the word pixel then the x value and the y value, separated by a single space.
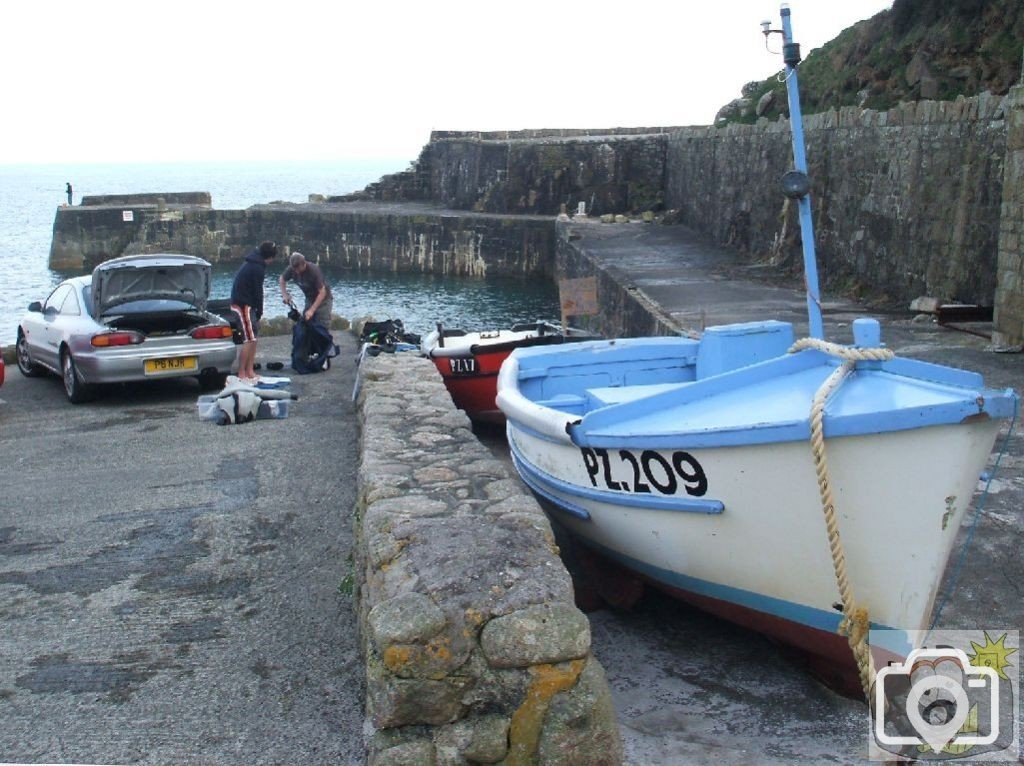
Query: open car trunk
pixel 156 321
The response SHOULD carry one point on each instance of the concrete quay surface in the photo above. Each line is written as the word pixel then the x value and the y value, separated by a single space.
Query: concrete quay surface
pixel 173 591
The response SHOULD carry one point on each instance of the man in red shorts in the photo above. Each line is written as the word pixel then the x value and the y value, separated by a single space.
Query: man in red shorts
pixel 247 302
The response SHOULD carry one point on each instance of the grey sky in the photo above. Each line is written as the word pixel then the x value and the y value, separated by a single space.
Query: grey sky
pixel 120 81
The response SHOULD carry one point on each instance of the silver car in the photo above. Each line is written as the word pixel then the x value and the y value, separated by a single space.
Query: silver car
pixel 138 317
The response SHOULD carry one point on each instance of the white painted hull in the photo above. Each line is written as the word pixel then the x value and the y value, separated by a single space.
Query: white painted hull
pixel 463 345
pixel 900 498
pixel 690 463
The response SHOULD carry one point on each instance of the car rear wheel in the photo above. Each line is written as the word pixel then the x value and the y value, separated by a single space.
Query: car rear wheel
pixel 76 390
pixel 28 368
pixel 212 381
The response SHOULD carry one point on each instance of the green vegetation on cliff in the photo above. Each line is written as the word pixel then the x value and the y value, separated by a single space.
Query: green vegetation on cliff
pixel 920 49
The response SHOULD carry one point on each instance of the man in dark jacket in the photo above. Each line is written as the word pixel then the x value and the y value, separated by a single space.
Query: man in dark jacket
pixel 247 302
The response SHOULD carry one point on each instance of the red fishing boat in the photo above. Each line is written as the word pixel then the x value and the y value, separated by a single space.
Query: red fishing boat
pixel 469 361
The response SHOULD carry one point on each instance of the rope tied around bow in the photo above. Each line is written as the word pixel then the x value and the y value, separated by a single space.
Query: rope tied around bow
pixel 855 624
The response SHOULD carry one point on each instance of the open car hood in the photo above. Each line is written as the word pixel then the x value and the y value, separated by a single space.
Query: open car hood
pixel 150 277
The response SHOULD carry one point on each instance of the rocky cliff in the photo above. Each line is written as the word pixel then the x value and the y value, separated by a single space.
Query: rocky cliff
pixel 920 49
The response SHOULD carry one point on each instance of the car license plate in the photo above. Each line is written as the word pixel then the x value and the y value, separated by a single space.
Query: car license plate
pixel 171 364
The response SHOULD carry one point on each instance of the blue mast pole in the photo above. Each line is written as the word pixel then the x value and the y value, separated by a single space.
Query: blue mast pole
pixel 791 55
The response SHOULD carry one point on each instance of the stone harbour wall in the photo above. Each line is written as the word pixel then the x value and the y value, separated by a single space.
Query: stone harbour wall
pixel 535 171
pixel 158 199
pixel 83 237
pixel 361 237
pixel 905 202
pixel 106 226
pixel 609 174
pixel 475 652
pixel 1009 304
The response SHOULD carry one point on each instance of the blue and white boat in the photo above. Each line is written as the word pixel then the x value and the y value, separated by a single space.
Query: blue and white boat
pixel 781 485
pixel 691 463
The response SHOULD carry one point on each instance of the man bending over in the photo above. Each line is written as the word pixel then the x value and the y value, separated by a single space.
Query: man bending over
pixel 309 278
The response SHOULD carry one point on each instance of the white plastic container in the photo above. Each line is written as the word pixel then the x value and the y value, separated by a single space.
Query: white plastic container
pixel 207 408
pixel 273 408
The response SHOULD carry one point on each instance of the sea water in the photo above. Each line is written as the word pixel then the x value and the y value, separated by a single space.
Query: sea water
pixel 31 194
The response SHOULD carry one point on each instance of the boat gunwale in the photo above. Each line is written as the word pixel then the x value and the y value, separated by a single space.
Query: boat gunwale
pixel 531 415
pixel 606 426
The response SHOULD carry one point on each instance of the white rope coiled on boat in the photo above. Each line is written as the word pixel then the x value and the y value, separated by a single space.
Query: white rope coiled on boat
pixel 856 623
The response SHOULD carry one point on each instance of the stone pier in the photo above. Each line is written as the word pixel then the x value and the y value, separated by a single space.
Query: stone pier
pixel 475 651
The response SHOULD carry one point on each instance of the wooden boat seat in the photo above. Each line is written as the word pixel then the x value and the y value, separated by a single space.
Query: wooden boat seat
pixel 570 404
pixel 595 398
pixel 602 397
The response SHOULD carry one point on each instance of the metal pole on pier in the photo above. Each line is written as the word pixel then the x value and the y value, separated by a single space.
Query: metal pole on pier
pixel 791 55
